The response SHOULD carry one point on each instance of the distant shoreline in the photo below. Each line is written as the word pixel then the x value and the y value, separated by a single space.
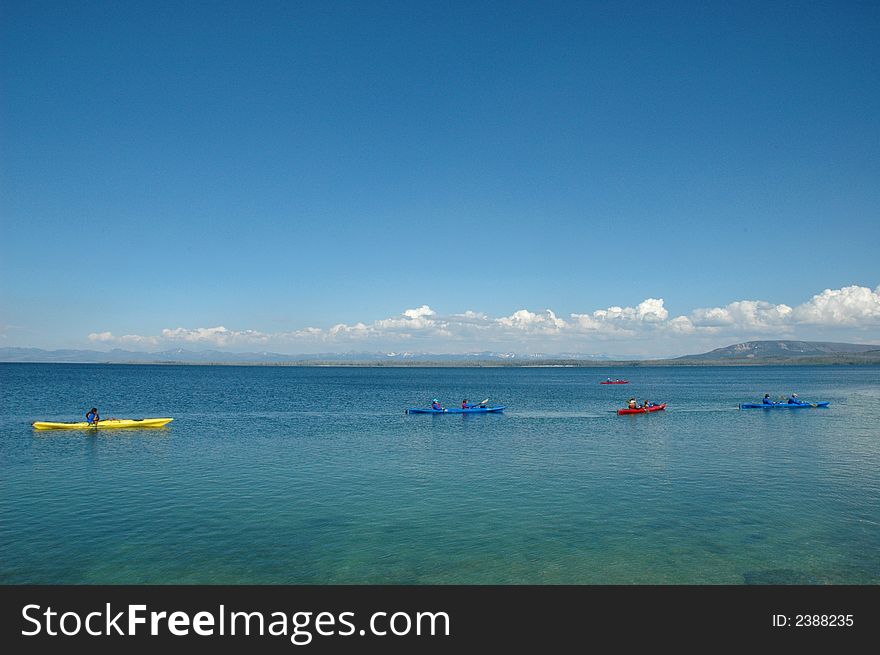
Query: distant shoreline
pixel 750 353
pixel 848 360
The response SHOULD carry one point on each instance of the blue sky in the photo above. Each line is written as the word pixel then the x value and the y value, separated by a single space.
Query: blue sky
pixel 270 167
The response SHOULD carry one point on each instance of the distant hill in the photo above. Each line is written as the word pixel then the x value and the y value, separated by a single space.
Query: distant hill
pixel 750 353
pixel 751 350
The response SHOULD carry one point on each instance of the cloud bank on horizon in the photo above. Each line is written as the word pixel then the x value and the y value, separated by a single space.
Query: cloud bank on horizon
pixel 852 312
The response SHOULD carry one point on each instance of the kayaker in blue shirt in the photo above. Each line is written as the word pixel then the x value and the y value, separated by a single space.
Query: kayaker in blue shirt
pixel 465 404
pixel 793 400
pixel 435 404
pixel 92 416
pixel 767 399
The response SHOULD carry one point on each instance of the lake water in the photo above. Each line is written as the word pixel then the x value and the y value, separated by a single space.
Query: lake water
pixel 316 475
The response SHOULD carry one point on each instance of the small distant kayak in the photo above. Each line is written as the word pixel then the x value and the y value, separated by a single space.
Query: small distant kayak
pixel 473 410
pixel 642 410
pixel 782 405
pixel 614 382
pixel 108 424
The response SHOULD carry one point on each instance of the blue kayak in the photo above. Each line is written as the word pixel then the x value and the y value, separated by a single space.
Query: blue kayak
pixel 474 410
pixel 782 405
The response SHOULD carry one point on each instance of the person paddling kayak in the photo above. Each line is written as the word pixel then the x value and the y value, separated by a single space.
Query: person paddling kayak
pixel 92 416
pixel 767 399
pixel 631 403
pixel 435 404
pixel 793 399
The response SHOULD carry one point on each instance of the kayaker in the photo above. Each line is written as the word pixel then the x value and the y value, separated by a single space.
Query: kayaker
pixel 793 399
pixel 435 404
pixel 632 404
pixel 92 416
pixel 767 399
pixel 647 404
pixel 465 404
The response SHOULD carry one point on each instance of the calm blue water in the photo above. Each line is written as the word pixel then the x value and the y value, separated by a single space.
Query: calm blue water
pixel 315 475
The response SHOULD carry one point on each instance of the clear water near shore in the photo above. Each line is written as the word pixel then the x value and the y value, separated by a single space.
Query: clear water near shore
pixel 315 475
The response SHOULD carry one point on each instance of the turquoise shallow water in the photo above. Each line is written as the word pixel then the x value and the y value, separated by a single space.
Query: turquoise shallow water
pixel 315 475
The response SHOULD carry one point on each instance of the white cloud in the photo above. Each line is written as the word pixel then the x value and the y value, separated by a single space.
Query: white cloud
pixel 411 319
pixel 622 319
pixel 849 308
pixel 421 312
pixel 650 310
pixel 216 336
pixel 682 325
pixel 124 340
pixel 743 314
pixel 542 323
pixel 307 333
pixel 357 331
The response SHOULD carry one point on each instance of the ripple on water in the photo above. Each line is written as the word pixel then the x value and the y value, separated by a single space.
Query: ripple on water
pixel 295 475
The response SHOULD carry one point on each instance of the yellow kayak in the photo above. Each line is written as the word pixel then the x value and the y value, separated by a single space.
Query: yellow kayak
pixel 112 423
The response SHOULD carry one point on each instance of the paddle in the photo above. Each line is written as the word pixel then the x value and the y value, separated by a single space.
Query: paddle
pixel 483 402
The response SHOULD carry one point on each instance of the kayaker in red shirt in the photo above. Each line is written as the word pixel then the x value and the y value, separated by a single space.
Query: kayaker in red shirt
pixel 435 404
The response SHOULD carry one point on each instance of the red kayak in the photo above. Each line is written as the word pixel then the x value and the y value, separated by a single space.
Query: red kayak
pixel 615 382
pixel 642 410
